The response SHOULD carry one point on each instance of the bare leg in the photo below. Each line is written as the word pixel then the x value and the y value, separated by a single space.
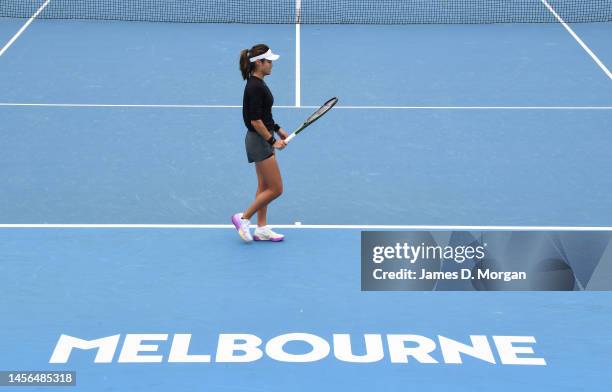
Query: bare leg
pixel 273 183
pixel 261 186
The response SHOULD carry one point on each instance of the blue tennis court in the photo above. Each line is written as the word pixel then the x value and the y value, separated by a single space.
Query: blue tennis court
pixel 123 160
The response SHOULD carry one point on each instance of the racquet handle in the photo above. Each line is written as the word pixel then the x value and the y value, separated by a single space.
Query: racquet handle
pixel 288 138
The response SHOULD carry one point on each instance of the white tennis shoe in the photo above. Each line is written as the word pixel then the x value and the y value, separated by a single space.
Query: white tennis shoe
pixel 266 234
pixel 243 226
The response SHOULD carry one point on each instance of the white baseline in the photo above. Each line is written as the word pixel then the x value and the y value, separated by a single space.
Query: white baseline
pixel 300 226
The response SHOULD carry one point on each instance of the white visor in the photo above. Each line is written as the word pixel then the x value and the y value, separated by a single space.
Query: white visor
pixel 268 56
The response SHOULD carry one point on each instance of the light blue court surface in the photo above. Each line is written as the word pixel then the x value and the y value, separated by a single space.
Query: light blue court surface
pixel 143 63
pixel 94 283
pixel 360 166
pixel 595 35
pixel 481 65
pixel 8 27
pixel 487 167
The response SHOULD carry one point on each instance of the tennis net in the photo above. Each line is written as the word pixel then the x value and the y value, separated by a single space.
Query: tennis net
pixel 316 11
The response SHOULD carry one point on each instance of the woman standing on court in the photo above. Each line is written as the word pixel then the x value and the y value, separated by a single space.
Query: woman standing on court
pixel 255 65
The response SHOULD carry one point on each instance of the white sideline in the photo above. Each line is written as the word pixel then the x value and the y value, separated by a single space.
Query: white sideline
pixel 584 46
pixel 23 28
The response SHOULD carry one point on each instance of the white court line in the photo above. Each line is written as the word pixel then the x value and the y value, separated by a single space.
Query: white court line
pixel 469 107
pixel 23 28
pixel 323 227
pixel 105 105
pixel 298 61
pixel 195 106
pixel 586 48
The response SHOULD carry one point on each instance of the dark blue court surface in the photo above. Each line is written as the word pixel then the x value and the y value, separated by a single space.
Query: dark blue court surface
pixel 463 125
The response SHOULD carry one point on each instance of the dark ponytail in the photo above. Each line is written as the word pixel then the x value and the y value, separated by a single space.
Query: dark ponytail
pixel 246 67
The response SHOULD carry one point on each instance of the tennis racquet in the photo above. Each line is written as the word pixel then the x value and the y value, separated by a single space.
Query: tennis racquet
pixel 313 117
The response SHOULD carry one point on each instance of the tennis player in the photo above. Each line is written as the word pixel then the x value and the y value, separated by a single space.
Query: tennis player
pixel 255 65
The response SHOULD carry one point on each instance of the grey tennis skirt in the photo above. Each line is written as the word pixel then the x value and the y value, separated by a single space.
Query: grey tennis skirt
pixel 257 148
